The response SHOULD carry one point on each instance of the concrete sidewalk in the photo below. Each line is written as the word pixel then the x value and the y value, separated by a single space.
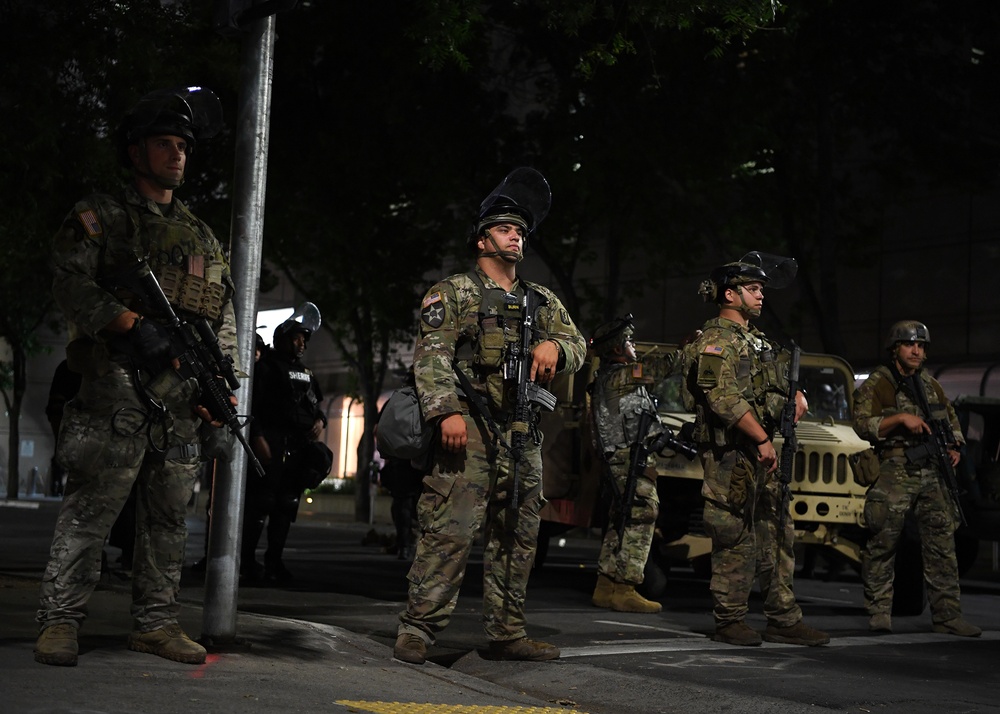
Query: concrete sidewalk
pixel 283 666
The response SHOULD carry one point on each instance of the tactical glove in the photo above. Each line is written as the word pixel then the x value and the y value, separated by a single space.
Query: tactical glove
pixel 149 342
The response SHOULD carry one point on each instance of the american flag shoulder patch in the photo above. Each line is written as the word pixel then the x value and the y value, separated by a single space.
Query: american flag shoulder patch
pixel 431 299
pixel 90 223
pixel 637 370
pixel 712 350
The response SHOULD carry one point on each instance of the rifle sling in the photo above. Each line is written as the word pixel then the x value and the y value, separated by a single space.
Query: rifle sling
pixel 476 400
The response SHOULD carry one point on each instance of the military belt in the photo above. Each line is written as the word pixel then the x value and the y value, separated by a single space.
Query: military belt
pixel 182 451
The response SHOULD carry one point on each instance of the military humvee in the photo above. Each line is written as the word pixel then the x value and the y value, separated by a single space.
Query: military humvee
pixel 827 505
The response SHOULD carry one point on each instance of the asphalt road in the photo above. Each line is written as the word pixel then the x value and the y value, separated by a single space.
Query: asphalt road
pixel 614 662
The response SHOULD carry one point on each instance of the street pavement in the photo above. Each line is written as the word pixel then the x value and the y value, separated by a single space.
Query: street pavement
pixel 324 644
pixel 278 664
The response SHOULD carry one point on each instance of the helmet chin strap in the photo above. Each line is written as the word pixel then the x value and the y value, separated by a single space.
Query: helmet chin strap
pixel 508 255
pixel 743 305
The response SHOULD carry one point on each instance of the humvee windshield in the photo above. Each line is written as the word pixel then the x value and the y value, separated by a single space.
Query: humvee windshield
pixel 826 389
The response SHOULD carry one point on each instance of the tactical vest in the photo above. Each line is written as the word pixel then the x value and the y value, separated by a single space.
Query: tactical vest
pixel 618 401
pixel 896 398
pixel 485 350
pixel 299 404
pixel 187 262
pixel 759 375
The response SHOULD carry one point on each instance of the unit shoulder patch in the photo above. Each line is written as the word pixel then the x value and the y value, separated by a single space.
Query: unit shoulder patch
pixel 433 315
pixel 709 369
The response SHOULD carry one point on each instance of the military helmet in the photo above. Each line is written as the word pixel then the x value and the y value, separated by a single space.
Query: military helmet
pixel 612 334
pixel 522 198
pixel 191 113
pixel 907 331
pixel 505 210
pixel 738 273
pixel 728 276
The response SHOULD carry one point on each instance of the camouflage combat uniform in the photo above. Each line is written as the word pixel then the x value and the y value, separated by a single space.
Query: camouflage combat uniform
pixel 619 397
pixel 466 490
pixel 736 370
pixel 104 439
pixel 902 488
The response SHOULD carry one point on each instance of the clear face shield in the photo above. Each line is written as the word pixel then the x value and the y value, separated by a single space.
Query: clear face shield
pixel 780 271
pixel 308 316
pixel 523 188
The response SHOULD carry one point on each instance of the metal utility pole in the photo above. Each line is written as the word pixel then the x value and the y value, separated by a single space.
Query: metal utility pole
pixel 253 119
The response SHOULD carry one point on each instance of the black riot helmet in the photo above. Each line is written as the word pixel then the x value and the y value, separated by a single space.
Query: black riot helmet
pixel 522 198
pixel 612 334
pixel 306 319
pixel 192 113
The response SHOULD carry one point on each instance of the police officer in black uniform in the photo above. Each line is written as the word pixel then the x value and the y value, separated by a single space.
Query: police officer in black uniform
pixel 285 432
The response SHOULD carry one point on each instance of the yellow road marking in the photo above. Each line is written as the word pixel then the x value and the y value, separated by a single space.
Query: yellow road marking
pixel 426 708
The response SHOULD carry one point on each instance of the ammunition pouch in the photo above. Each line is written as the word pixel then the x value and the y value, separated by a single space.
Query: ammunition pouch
pixel 193 294
pixel 741 483
pixel 490 347
pixel 865 467
pixel 920 454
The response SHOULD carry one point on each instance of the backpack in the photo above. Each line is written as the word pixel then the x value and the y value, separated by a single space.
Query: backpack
pixel 401 432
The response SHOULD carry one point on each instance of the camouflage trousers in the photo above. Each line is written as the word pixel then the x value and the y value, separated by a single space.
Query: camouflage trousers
pixel 463 493
pixel 898 492
pixel 103 446
pixel 744 549
pixel 626 564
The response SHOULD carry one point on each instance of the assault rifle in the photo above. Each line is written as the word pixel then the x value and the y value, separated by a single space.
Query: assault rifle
pixel 791 442
pixel 516 369
pixel 638 456
pixel 935 445
pixel 197 350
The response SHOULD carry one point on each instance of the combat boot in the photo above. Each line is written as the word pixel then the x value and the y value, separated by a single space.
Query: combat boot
pixel 880 622
pixel 57 645
pixel 523 649
pixel 603 591
pixel 957 626
pixel 169 642
pixel 737 633
pixel 410 648
pixel 626 599
pixel 797 634
pixel 276 572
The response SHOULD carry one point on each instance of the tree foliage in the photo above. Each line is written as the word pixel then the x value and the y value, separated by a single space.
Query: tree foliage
pixel 671 132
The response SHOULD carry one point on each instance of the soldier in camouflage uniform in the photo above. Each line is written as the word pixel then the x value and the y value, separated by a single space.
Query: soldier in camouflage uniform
pixel 739 387
pixel 887 414
pixel 111 438
pixel 470 321
pixel 618 399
